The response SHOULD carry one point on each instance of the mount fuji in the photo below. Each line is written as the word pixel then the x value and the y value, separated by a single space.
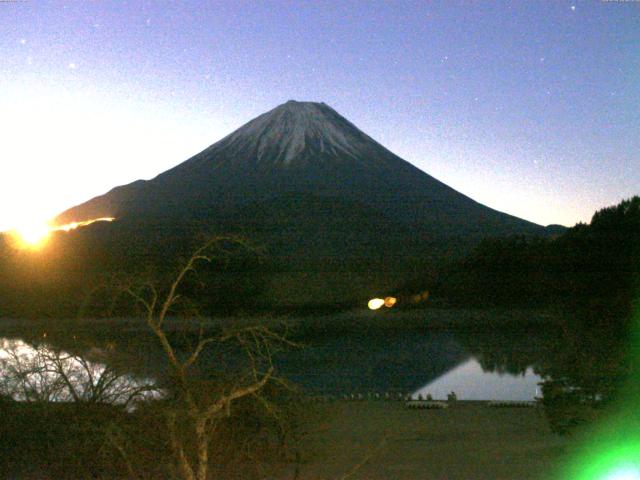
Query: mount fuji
pixel 302 149
pixel 316 192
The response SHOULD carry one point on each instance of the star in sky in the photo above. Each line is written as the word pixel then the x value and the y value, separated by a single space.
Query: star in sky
pixel 579 108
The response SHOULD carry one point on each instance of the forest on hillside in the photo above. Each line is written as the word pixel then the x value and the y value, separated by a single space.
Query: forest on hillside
pixel 590 268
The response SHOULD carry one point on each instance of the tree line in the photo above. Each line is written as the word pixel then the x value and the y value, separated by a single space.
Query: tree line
pixel 591 267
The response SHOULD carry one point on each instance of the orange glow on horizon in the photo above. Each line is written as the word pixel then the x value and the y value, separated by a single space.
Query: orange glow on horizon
pixel 73 225
pixel 34 235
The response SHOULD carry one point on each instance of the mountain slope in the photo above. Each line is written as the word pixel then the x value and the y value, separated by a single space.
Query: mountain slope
pixel 298 148
pixel 338 216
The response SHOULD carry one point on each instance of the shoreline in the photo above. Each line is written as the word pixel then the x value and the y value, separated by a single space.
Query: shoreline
pixel 410 319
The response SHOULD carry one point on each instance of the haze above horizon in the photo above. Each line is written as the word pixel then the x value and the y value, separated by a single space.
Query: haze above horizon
pixel 531 109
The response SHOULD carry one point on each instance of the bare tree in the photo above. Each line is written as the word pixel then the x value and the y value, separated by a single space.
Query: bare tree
pixel 43 373
pixel 197 407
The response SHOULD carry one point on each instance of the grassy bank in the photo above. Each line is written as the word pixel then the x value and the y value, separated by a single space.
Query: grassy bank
pixel 366 440
pixel 379 440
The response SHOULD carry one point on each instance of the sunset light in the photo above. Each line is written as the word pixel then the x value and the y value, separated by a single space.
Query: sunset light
pixel 34 235
pixel 73 225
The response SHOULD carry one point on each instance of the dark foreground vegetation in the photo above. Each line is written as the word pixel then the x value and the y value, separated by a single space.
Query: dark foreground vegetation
pixel 241 420
pixel 217 410
pixel 44 440
pixel 366 440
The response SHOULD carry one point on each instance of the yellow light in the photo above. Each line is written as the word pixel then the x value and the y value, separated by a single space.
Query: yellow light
pixel 32 235
pixel 73 225
pixel 69 227
pixel 390 301
pixel 375 303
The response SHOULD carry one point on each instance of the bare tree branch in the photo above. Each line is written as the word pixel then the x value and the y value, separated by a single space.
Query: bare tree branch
pixel 199 413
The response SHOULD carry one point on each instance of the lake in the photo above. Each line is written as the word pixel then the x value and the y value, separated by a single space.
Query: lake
pixel 470 381
pixel 337 363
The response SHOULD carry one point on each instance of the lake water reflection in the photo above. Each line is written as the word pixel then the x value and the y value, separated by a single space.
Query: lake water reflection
pixel 37 373
pixel 470 382
pixel 398 362
pixel 419 362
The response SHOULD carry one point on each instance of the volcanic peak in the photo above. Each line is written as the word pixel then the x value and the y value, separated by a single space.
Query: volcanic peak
pixel 284 133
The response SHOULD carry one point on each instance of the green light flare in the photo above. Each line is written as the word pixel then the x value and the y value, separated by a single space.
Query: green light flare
pixel 613 449
pixel 612 462
pixel 624 473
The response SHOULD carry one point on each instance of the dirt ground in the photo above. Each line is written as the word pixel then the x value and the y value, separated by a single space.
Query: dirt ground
pixel 385 440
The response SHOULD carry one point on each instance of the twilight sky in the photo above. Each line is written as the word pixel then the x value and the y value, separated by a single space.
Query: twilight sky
pixel 532 108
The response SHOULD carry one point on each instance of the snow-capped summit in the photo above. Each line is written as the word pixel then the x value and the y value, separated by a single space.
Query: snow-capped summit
pixel 337 215
pixel 296 151
pixel 282 134
pixel 294 133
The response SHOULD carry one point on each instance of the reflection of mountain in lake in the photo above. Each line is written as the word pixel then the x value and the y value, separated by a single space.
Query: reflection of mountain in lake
pixel 358 360
pixel 471 382
pixel 372 361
